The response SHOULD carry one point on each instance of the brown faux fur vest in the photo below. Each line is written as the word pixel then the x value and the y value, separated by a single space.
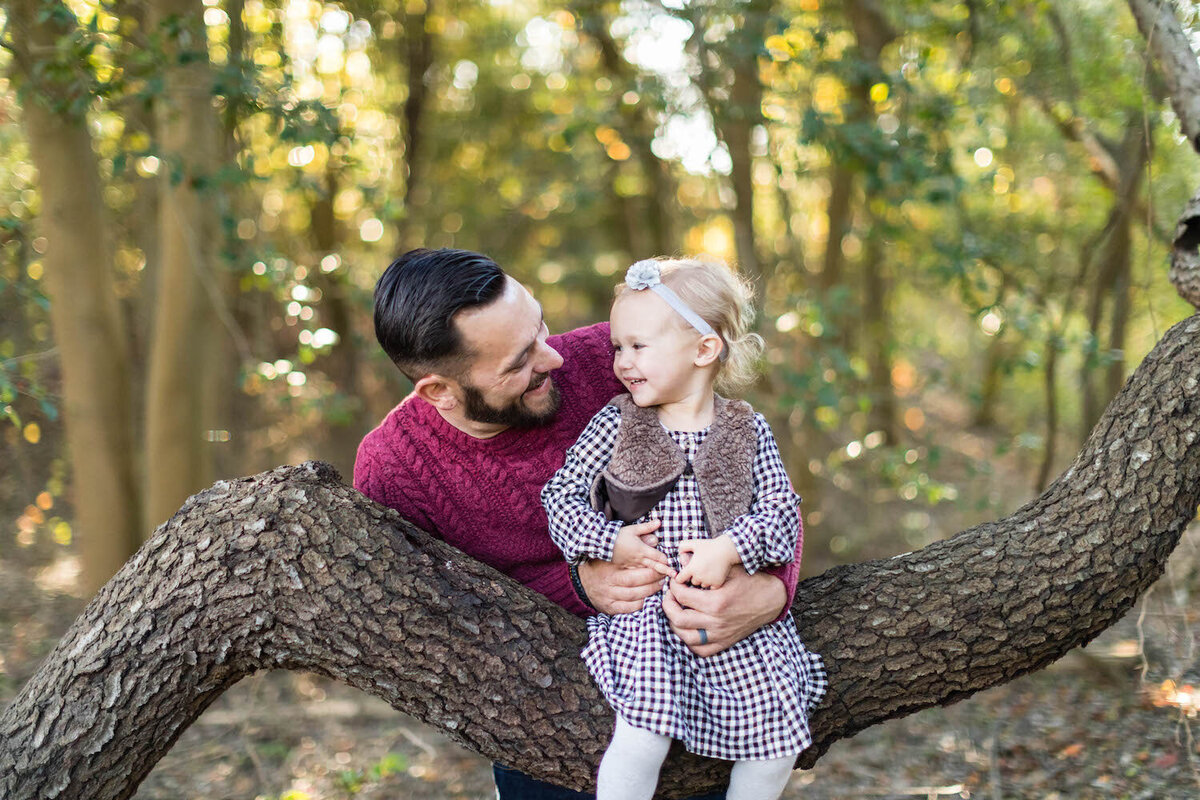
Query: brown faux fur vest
pixel 646 463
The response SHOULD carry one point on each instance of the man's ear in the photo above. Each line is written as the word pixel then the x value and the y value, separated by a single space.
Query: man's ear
pixel 438 391
pixel 709 349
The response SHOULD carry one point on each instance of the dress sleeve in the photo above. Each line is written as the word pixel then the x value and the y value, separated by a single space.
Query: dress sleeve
pixel 768 532
pixel 580 531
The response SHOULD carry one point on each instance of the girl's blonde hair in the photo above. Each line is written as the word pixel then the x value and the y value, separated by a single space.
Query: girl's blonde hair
pixel 726 302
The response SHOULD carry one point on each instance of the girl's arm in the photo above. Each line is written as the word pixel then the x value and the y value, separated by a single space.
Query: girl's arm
pixel 580 531
pixel 767 534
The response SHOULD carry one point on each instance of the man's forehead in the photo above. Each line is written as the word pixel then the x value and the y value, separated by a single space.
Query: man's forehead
pixel 502 327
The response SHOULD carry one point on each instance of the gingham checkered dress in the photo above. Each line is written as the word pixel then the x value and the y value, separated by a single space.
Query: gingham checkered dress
pixel 748 702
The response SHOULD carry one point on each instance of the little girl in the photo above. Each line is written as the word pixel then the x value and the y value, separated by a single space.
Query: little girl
pixel 705 475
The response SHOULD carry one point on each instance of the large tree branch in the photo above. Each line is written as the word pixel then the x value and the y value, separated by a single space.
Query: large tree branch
pixel 1181 72
pixel 291 569
pixel 1184 272
pixel 1171 49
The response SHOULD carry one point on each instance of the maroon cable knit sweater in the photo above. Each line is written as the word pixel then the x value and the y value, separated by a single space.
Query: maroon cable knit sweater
pixel 483 495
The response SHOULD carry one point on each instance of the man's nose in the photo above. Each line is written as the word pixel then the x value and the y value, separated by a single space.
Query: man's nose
pixel 549 359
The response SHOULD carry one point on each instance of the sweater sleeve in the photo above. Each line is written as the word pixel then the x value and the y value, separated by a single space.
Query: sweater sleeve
pixel 580 531
pixel 789 573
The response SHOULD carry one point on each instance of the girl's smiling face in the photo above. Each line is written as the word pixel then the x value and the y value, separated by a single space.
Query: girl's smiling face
pixel 655 350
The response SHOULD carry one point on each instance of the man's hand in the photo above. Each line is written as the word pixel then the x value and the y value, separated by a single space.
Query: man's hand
pixel 727 615
pixel 613 590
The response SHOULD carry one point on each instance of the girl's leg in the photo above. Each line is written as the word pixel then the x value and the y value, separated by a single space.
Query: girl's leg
pixel 629 769
pixel 759 780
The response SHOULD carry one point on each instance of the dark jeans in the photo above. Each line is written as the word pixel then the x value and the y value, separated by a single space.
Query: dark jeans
pixel 513 784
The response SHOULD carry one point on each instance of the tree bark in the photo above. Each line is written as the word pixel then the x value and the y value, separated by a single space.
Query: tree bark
pixel 84 312
pixel 291 569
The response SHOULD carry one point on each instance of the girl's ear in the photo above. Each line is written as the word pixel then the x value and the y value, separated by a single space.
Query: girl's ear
pixel 709 350
pixel 437 390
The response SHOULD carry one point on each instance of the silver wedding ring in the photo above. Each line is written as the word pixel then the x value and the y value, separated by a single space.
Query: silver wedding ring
pixel 703 636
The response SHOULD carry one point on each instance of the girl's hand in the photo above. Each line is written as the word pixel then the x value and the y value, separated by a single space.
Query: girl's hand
pixel 630 551
pixel 708 562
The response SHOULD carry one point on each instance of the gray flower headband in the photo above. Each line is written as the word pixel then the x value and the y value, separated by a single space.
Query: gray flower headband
pixel 645 274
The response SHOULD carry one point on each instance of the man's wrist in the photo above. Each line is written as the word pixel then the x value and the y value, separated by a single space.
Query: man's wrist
pixel 577 585
pixel 774 596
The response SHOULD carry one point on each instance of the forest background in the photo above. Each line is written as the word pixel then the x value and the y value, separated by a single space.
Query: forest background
pixel 956 214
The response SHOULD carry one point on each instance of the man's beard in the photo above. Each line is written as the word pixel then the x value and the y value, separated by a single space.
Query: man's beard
pixel 514 415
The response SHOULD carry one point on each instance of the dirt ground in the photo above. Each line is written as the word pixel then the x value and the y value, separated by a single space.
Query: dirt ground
pixel 1058 734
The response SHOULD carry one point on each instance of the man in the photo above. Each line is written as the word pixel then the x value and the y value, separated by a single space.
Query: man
pixel 496 402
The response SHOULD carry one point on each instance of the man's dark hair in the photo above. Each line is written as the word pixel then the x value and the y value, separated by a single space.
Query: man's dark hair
pixel 416 299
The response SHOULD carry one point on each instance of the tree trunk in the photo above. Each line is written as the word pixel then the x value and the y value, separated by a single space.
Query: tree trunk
pixel 632 231
pixel 225 410
pixel 737 131
pixel 343 418
pixel 1115 374
pixel 638 126
pixel 1050 392
pixel 838 213
pixel 84 313
pixel 990 384
pixel 417 57
pixel 293 570
pixel 141 221
pixel 185 328
pixel 877 334
pixel 872 33
pixel 734 68
pixel 1110 289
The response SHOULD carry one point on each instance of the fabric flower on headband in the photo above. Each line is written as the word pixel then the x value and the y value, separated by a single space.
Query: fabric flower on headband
pixel 643 274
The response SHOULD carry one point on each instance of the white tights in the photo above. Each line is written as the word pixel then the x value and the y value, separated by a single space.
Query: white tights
pixel 629 769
